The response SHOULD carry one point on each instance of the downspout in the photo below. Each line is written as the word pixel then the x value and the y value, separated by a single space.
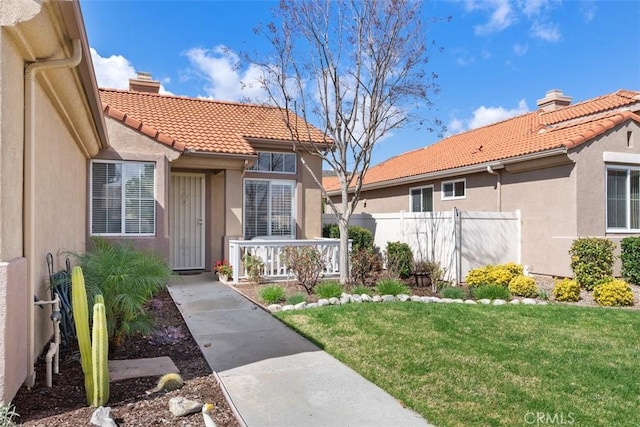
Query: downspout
pixel 498 185
pixel 29 220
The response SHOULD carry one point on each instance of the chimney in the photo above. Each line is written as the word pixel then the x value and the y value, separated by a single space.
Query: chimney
pixel 144 83
pixel 554 100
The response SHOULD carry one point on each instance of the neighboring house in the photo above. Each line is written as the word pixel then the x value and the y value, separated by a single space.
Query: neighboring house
pixel 184 176
pixel 50 126
pixel 572 171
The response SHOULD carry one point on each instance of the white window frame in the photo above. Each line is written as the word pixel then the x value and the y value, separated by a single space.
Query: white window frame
pixel 256 165
pixel 421 188
pixel 626 168
pixel 271 182
pixel 122 232
pixel 453 182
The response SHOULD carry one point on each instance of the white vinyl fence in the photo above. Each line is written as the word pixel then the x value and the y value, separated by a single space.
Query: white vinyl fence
pixel 459 241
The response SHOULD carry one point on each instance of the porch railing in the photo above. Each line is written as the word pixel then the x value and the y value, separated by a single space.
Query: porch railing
pixel 270 250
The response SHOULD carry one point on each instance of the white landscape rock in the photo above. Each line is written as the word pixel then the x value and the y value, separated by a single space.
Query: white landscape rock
pixel 484 301
pixel 288 307
pixel 403 297
pixel 356 298
pixel 529 301
pixel 102 417
pixel 312 305
pixel 345 299
pixel 301 305
pixel 543 303
pixel 499 302
pixel 274 308
pixel 181 406
pixel 366 298
pixel 445 300
pixel 514 301
pixel 469 301
pixel 322 302
pixel 388 298
pixel 376 298
pixel 416 298
pixel 334 301
pixel 457 301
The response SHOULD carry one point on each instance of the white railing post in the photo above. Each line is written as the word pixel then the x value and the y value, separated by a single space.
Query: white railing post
pixel 234 255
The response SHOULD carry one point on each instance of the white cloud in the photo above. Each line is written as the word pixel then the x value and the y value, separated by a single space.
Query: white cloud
pixel 115 71
pixel 520 49
pixel 225 80
pixel 483 116
pixel 546 31
pixel 588 10
pixel 502 16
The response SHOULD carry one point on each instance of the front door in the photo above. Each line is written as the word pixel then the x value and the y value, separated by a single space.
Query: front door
pixel 187 221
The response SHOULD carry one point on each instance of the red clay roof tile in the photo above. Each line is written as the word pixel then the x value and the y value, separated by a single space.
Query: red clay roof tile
pixel 526 134
pixel 198 124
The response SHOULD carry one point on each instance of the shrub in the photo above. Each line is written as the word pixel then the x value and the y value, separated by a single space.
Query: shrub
pixel 296 299
pixel 566 290
pixel 436 273
pixel 591 260
pixel 330 289
pixel 399 259
pixel 523 286
pixel 615 292
pixel 452 292
pixel 361 237
pixel 7 414
pixel 490 291
pixel 272 294
pixel 630 257
pixel 361 289
pixel 127 279
pixel 391 287
pixel 254 265
pixel 364 262
pixel 306 263
pixel 501 274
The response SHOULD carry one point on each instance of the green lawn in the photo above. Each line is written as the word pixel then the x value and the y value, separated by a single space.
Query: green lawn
pixel 461 365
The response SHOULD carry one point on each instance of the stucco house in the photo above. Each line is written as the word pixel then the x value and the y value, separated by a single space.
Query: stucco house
pixel 51 124
pixel 206 171
pixel 175 175
pixel 571 170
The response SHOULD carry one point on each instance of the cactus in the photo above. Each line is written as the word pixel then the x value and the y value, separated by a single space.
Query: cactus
pixel 99 354
pixel 169 382
pixel 81 319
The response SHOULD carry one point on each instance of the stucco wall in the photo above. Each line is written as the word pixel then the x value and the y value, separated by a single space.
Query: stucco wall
pixel 128 144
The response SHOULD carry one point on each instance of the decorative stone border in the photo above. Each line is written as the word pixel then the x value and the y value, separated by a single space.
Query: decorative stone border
pixel 364 298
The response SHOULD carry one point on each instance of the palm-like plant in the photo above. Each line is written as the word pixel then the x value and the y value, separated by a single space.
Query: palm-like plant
pixel 127 279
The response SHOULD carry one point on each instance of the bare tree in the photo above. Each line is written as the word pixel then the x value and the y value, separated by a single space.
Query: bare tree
pixel 355 70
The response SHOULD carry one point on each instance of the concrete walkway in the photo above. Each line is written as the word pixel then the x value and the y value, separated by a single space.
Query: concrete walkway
pixel 274 376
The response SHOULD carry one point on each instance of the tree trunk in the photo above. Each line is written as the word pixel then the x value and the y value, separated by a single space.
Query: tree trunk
pixel 343 225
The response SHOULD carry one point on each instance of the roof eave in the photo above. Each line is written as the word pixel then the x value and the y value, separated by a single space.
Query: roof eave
pixel 464 170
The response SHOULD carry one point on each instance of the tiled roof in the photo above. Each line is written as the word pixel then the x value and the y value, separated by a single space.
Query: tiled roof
pixel 529 133
pixel 192 124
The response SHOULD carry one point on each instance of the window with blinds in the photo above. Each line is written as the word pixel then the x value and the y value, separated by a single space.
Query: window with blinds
pixel 623 199
pixel 122 198
pixel 269 208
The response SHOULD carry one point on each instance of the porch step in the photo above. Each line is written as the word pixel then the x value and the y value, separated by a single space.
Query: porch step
pixel 136 368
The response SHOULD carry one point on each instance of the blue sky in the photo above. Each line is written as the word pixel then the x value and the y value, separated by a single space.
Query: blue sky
pixel 499 57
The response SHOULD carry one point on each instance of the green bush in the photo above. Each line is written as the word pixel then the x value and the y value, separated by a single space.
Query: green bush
pixel 364 262
pixel 361 289
pixel 391 287
pixel 501 274
pixel 614 292
pixel 272 294
pixel 452 292
pixel 630 257
pixel 490 291
pixel 566 290
pixel 523 286
pixel 127 279
pixel 7 415
pixel 254 265
pixel 296 299
pixel 591 260
pixel 306 263
pixel 399 259
pixel 330 289
pixel 361 237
